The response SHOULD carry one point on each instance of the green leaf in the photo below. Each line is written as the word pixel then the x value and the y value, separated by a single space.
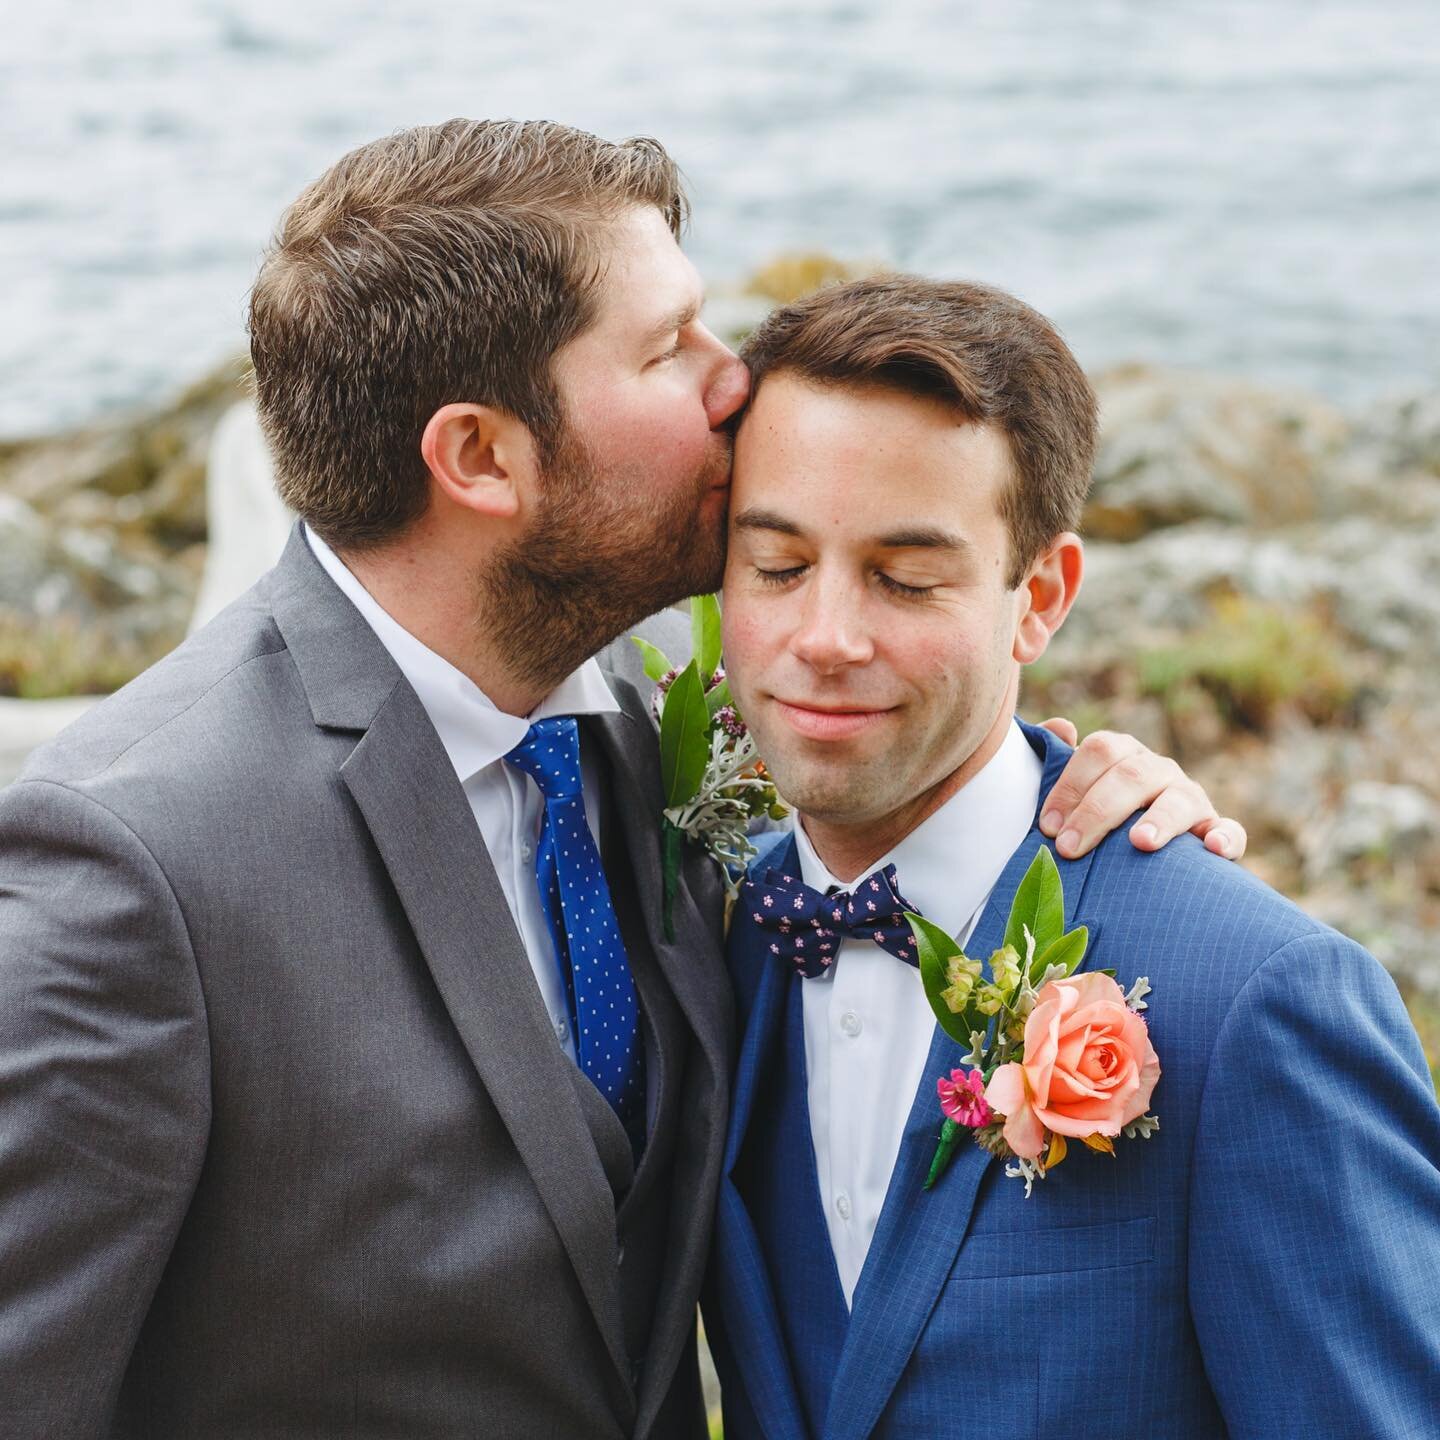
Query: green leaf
pixel 705 634
pixel 936 947
pixel 657 667
pixel 684 738
pixel 1039 905
pixel 671 845
pixel 1068 950
pixel 718 698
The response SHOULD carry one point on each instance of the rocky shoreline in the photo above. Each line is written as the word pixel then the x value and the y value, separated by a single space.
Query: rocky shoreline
pixel 1262 600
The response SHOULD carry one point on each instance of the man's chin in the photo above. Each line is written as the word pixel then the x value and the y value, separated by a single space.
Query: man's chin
pixel 812 790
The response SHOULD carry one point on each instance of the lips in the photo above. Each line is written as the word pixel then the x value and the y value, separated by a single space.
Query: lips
pixel 816 723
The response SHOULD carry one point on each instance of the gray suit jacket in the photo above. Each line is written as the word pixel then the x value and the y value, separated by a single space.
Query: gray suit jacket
pixel 287 1147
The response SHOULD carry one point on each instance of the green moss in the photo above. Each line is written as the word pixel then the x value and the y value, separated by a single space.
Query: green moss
pixel 793 276
pixel 51 659
pixel 1254 660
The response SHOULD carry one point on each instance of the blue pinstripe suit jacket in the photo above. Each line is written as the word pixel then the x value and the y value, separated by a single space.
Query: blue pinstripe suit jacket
pixel 1267 1265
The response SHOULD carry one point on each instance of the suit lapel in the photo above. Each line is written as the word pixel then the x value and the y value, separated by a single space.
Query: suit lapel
pixel 742 1274
pixel 692 966
pixel 920 1232
pixel 692 963
pixel 762 1031
pixel 425 832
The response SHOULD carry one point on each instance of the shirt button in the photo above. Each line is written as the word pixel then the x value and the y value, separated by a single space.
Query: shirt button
pixel 851 1024
pixel 842 1205
pixel 562 1029
pixel 525 851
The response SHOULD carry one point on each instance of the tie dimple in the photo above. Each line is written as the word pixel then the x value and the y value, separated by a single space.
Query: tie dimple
pixel 590 954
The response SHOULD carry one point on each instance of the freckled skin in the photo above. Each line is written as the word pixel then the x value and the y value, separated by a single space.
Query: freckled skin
pixel 914 690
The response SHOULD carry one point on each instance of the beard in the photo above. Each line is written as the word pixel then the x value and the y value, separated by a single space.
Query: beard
pixel 597 560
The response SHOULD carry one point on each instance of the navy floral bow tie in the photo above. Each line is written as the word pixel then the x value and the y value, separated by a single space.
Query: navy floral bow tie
pixel 807 927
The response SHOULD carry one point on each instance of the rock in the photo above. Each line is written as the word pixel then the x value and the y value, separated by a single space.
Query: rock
pixel 1379 583
pixel 1176 448
pixel 26 569
pixel 142 477
pixel 1383 821
pixel 1404 434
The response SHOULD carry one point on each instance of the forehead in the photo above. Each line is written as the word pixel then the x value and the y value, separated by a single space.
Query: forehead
pixel 855 452
pixel 646 272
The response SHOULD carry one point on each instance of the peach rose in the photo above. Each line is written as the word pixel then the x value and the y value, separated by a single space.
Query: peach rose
pixel 1089 1067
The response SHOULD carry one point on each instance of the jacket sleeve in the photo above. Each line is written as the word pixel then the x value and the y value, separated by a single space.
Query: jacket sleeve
pixel 104 1102
pixel 1315 1204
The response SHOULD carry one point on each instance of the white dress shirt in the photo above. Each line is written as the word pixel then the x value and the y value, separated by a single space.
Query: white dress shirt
pixel 868 1026
pixel 506 803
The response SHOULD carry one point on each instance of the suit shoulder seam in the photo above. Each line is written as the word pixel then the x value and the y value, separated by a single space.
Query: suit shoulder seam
pixel 181 713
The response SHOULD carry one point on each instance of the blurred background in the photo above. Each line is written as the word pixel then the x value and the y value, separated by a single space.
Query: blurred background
pixel 1230 208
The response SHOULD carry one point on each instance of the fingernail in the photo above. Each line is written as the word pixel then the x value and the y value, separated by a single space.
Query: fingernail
pixel 1050 821
pixel 1069 842
pixel 1145 834
pixel 1222 844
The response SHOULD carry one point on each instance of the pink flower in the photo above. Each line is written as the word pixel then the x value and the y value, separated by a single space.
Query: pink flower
pixel 962 1098
pixel 1089 1067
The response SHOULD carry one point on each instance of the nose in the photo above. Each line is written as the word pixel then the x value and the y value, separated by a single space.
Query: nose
pixel 831 635
pixel 729 386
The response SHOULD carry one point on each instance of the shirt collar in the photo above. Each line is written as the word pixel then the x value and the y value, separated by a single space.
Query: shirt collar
pixel 473 731
pixel 947 866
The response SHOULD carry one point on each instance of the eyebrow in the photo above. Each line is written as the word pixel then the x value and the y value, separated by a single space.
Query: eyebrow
pixel 677 319
pixel 916 537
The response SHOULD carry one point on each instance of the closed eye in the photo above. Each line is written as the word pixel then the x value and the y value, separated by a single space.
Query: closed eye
pixel 779 577
pixel 898 587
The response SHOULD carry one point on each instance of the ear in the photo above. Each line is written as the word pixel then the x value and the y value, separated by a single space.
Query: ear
pixel 1049 592
pixel 479 458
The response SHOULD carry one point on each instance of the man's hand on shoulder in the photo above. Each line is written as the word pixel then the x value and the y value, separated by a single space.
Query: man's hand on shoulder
pixel 1109 777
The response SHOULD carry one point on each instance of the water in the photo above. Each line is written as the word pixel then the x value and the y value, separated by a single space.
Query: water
pixel 1243 185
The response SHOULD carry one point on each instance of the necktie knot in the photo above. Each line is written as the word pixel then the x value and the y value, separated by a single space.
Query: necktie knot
pixel 550 755
pixel 807 927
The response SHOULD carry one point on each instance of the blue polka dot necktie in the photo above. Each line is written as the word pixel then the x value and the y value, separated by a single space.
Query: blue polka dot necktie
pixel 604 1009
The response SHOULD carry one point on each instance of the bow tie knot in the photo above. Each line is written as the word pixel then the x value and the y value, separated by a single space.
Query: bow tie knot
pixel 806 927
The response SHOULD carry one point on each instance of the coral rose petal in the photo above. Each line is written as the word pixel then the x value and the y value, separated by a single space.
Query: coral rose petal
pixel 1024 1134
pixel 1091 987
pixel 1005 1093
pixel 1070 1052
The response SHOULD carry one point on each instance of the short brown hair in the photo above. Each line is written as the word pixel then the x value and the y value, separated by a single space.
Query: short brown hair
pixel 445 263
pixel 978 349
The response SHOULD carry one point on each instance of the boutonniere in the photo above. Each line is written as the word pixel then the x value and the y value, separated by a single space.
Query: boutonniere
pixel 1053 1055
pixel 715 784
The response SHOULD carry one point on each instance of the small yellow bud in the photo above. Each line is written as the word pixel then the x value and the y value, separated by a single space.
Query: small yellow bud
pixel 962 975
pixel 989 1000
pixel 1005 968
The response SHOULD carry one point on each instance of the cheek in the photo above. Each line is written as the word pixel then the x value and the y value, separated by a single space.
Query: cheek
pixel 670 423
pixel 743 638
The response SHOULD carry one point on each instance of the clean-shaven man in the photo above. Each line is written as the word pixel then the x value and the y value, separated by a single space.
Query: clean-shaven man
pixel 348 1085
pixel 907 484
